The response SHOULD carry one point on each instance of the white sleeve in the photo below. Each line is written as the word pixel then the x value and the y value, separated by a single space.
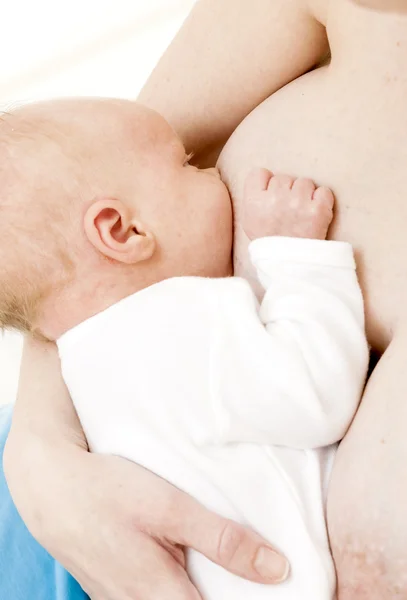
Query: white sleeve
pixel 291 372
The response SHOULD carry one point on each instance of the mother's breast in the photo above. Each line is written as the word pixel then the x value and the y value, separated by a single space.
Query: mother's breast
pixel 317 127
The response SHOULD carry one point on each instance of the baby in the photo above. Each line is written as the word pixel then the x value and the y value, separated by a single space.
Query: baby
pixel 114 246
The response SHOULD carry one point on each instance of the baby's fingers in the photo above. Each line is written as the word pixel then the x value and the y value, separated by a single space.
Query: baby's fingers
pixel 257 181
pixel 324 197
pixel 303 188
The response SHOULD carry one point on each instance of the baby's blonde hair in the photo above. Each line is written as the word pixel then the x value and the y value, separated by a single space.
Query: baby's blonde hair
pixel 18 306
pixel 34 220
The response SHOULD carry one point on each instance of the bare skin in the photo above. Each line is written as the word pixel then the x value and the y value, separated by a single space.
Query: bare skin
pixel 344 126
pixel 356 142
pixel 384 5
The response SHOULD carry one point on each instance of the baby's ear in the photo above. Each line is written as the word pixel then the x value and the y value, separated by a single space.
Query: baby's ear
pixel 111 228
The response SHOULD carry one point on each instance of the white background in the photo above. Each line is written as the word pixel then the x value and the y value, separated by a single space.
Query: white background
pixel 75 48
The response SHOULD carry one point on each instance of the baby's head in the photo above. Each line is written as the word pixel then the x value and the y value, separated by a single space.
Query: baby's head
pixel 98 201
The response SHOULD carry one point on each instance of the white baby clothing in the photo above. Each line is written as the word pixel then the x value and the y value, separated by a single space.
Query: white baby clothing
pixel 239 404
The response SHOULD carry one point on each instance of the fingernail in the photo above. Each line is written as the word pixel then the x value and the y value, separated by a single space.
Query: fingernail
pixel 271 565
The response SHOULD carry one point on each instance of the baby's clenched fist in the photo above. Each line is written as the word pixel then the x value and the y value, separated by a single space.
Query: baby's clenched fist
pixel 280 205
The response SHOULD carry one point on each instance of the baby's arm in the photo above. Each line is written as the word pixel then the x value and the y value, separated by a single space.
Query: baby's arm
pixel 295 370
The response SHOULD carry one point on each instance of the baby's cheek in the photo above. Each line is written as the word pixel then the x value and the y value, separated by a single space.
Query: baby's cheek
pixel 222 214
pixel 219 237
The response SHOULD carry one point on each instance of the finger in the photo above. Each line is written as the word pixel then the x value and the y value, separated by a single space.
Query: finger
pixel 281 182
pixel 167 580
pixel 156 575
pixel 324 195
pixel 304 187
pixel 232 546
pixel 257 180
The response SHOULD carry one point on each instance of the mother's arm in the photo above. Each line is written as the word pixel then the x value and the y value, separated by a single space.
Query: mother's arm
pixel 110 522
pixel 227 58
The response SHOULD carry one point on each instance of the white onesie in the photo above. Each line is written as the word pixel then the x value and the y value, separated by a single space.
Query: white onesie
pixel 240 405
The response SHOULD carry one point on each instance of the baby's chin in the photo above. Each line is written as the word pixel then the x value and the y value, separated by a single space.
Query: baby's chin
pixel 229 271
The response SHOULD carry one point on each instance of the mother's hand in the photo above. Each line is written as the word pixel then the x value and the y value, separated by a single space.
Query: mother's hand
pixel 120 529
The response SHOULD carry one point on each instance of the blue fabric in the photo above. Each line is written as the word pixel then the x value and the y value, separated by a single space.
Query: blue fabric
pixel 27 571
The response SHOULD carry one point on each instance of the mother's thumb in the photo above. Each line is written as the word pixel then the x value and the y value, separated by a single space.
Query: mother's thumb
pixel 232 546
